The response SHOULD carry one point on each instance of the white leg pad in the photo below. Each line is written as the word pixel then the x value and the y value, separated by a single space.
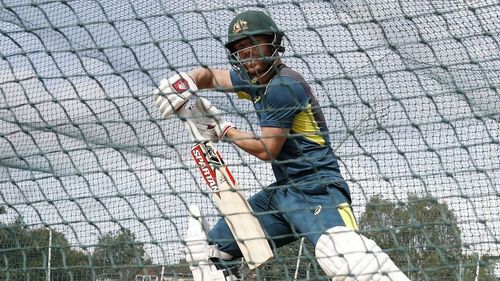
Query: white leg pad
pixel 346 255
pixel 199 252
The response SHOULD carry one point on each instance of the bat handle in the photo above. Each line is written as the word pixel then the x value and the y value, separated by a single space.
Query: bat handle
pixel 186 116
pixel 194 133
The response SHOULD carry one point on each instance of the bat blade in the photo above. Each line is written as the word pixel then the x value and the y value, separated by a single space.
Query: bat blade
pixel 232 204
pixel 244 225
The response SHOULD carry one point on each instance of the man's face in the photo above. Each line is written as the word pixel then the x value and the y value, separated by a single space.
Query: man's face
pixel 251 52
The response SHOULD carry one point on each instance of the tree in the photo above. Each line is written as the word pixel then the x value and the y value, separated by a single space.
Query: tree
pixel 119 253
pixel 80 265
pixel 24 255
pixel 478 266
pixel 421 236
pixel 13 238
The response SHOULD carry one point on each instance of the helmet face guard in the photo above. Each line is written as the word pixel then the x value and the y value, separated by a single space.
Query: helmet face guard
pixel 238 61
pixel 248 25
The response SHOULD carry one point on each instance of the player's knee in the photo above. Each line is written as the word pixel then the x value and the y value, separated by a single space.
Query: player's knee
pixel 346 255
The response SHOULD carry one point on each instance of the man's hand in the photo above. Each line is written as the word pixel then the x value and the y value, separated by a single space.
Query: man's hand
pixel 198 126
pixel 215 122
pixel 173 93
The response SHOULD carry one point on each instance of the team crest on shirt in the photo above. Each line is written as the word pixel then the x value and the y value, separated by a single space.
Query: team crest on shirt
pixel 239 26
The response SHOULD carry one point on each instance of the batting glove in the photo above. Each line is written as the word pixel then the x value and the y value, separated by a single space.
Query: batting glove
pixel 173 93
pixel 219 125
pixel 198 126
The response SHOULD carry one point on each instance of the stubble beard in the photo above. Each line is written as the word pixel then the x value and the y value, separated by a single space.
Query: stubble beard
pixel 255 67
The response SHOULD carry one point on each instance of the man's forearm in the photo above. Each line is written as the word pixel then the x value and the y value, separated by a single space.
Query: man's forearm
pixel 203 77
pixel 250 143
pixel 207 78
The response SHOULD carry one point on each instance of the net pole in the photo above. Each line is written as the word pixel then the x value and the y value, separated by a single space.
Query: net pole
pixel 49 255
pixel 298 260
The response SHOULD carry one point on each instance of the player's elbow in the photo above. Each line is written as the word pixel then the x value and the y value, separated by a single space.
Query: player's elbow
pixel 267 156
pixel 270 149
pixel 263 156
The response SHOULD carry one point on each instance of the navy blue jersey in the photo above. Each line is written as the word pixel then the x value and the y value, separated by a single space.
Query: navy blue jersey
pixel 306 159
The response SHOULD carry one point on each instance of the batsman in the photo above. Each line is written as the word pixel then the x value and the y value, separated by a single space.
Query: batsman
pixel 309 198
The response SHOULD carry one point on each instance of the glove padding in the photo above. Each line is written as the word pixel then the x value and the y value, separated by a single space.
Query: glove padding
pixel 199 126
pixel 173 93
pixel 203 121
pixel 212 122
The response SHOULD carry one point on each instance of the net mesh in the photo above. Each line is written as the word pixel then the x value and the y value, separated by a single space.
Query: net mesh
pixel 409 89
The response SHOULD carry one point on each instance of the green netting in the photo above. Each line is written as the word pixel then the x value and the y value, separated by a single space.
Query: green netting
pixel 409 90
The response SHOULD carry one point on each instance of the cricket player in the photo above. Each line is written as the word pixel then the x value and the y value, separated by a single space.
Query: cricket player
pixel 309 198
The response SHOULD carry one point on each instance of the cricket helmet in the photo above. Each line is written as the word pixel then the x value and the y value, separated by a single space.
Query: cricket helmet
pixel 252 23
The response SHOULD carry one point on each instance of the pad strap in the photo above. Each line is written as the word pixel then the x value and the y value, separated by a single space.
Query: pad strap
pixel 214 252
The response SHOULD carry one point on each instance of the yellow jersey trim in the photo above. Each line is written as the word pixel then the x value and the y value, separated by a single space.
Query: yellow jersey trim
pixel 347 216
pixel 244 95
pixel 305 124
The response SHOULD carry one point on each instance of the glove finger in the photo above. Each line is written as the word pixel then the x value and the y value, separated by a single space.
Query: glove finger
pixel 206 107
pixel 167 106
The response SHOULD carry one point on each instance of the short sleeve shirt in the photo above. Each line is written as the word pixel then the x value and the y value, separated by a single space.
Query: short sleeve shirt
pixel 287 102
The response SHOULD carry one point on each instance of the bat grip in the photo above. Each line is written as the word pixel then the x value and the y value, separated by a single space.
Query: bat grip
pixel 186 116
pixel 193 132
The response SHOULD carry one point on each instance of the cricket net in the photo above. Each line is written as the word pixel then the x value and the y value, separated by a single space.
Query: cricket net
pixel 94 184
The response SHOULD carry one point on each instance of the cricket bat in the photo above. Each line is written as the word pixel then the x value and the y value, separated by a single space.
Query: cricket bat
pixel 232 204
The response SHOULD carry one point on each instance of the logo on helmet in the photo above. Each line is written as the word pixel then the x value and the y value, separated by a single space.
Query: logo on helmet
pixel 239 26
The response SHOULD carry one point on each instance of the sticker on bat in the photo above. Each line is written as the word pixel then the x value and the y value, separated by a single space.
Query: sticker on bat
pixel 207 171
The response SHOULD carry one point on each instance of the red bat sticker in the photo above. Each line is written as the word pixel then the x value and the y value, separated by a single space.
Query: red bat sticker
pixel 207 159
pixel 206 169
